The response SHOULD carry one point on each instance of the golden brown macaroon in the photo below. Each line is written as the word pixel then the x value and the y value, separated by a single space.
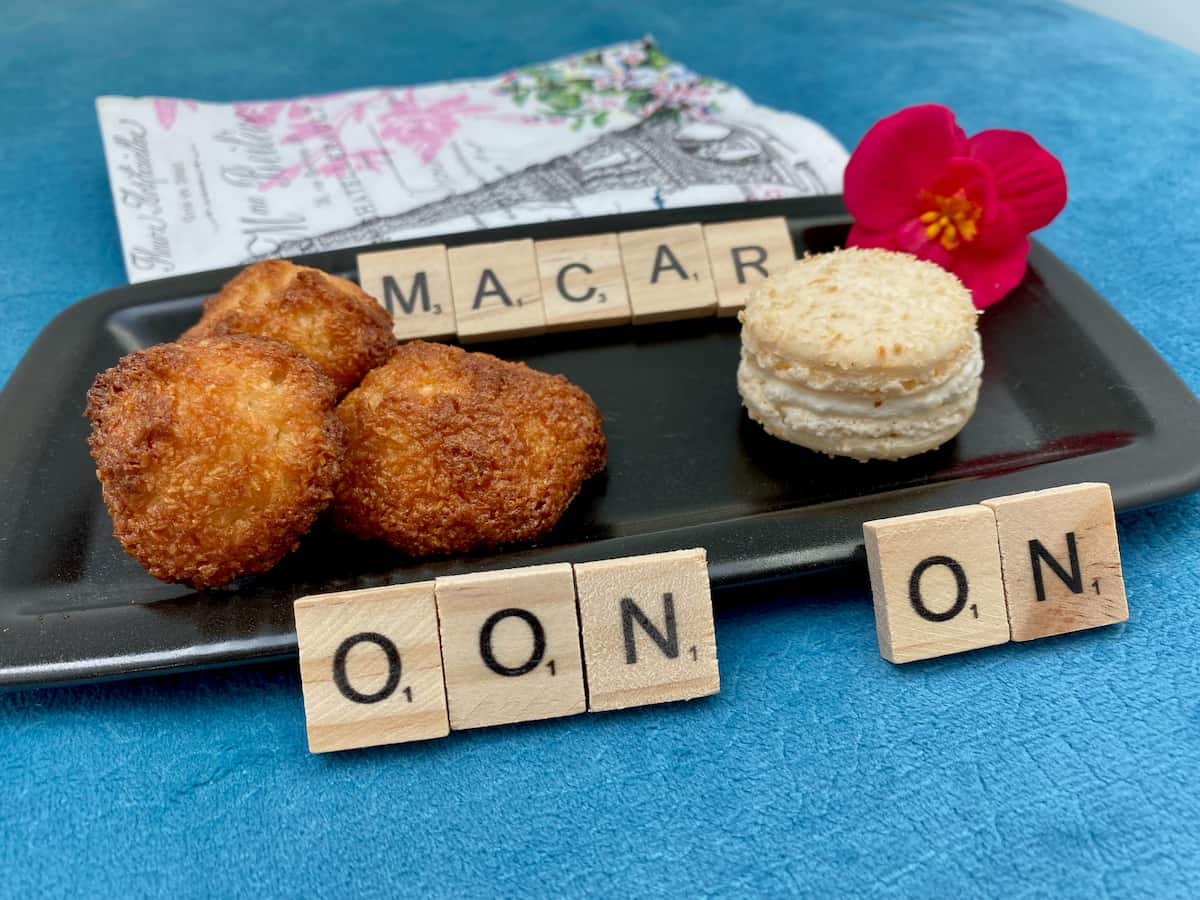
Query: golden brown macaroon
pixel 329 319
pixel 449 451
pixel 215 455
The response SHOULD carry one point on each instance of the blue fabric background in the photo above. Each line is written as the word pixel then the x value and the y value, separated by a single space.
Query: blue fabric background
pixel 1066 767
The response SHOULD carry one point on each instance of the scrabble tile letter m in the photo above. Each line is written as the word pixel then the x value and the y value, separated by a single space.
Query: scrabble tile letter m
pixel 647 629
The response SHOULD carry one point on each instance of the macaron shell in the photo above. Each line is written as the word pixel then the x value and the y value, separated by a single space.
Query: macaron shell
pixel 857 423
pixel 873 312
pixel 891 382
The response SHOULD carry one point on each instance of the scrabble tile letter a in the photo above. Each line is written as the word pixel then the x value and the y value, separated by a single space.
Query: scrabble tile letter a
pixel 1062 566
pixel 647 629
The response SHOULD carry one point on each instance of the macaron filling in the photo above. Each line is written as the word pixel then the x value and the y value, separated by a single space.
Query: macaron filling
pixel 787 394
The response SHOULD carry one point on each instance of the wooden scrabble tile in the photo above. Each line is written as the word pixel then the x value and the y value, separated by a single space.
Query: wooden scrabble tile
pixel 1062 566
pixel 497 293
pixel 414 286
pixel 583 283
pixel 936 583
pixel 742 253
pixel 647 629
pixel 510 646
pixel 667 272
pixel 371 667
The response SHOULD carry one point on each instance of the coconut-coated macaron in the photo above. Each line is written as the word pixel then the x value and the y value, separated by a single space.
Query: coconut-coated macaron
pixel 870 354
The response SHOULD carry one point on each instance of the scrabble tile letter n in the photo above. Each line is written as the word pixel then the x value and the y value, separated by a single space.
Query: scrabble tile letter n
pixel 936 581
pixel 371 667
pixel 647 629
pixel 1062 566
pixel 510 643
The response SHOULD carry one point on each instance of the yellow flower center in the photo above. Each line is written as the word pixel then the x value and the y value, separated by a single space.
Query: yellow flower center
pixel 951 218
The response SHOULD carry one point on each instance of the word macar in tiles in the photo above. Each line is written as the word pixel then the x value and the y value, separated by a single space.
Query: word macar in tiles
pixel 519 288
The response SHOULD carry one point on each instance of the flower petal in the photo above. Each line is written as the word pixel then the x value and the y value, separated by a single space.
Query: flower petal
pixel 989 276
pixel 897 157
pixel 1029 179
pixel 911 238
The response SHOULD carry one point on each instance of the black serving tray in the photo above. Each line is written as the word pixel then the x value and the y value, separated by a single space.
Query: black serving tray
pixel 1070 393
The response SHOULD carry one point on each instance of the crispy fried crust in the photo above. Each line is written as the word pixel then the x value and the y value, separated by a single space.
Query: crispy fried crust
pixel 329 319
pixel 449 451
pixel 214 455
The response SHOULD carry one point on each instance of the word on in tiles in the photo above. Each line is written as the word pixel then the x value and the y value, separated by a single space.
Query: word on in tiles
pixel 416 661
pixel 517 288
pixel 1015 568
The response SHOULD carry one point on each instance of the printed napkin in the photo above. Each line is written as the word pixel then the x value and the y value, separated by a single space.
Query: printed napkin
pixel 205 185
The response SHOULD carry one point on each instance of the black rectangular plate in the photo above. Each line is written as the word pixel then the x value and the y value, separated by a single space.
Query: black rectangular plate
pixel 1070 393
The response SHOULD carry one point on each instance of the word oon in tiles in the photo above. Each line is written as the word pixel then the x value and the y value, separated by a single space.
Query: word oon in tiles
pixel 414 661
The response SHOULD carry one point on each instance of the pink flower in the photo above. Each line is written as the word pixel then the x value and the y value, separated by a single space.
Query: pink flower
pixel 916 183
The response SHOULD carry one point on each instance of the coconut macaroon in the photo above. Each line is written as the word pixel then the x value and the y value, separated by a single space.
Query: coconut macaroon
pixel 449 451
pixel 869 354
pixel 214 455
pixel 328 319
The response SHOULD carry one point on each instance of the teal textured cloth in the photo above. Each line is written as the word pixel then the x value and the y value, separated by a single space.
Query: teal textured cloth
pixel 1065 767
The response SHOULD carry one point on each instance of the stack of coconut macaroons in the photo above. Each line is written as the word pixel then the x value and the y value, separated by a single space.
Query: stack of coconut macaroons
pixel 869 354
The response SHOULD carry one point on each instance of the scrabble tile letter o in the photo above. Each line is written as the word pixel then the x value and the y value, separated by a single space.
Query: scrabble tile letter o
pixel 371 667
pixel 936 581
pixel 647 629
pixel 510 644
